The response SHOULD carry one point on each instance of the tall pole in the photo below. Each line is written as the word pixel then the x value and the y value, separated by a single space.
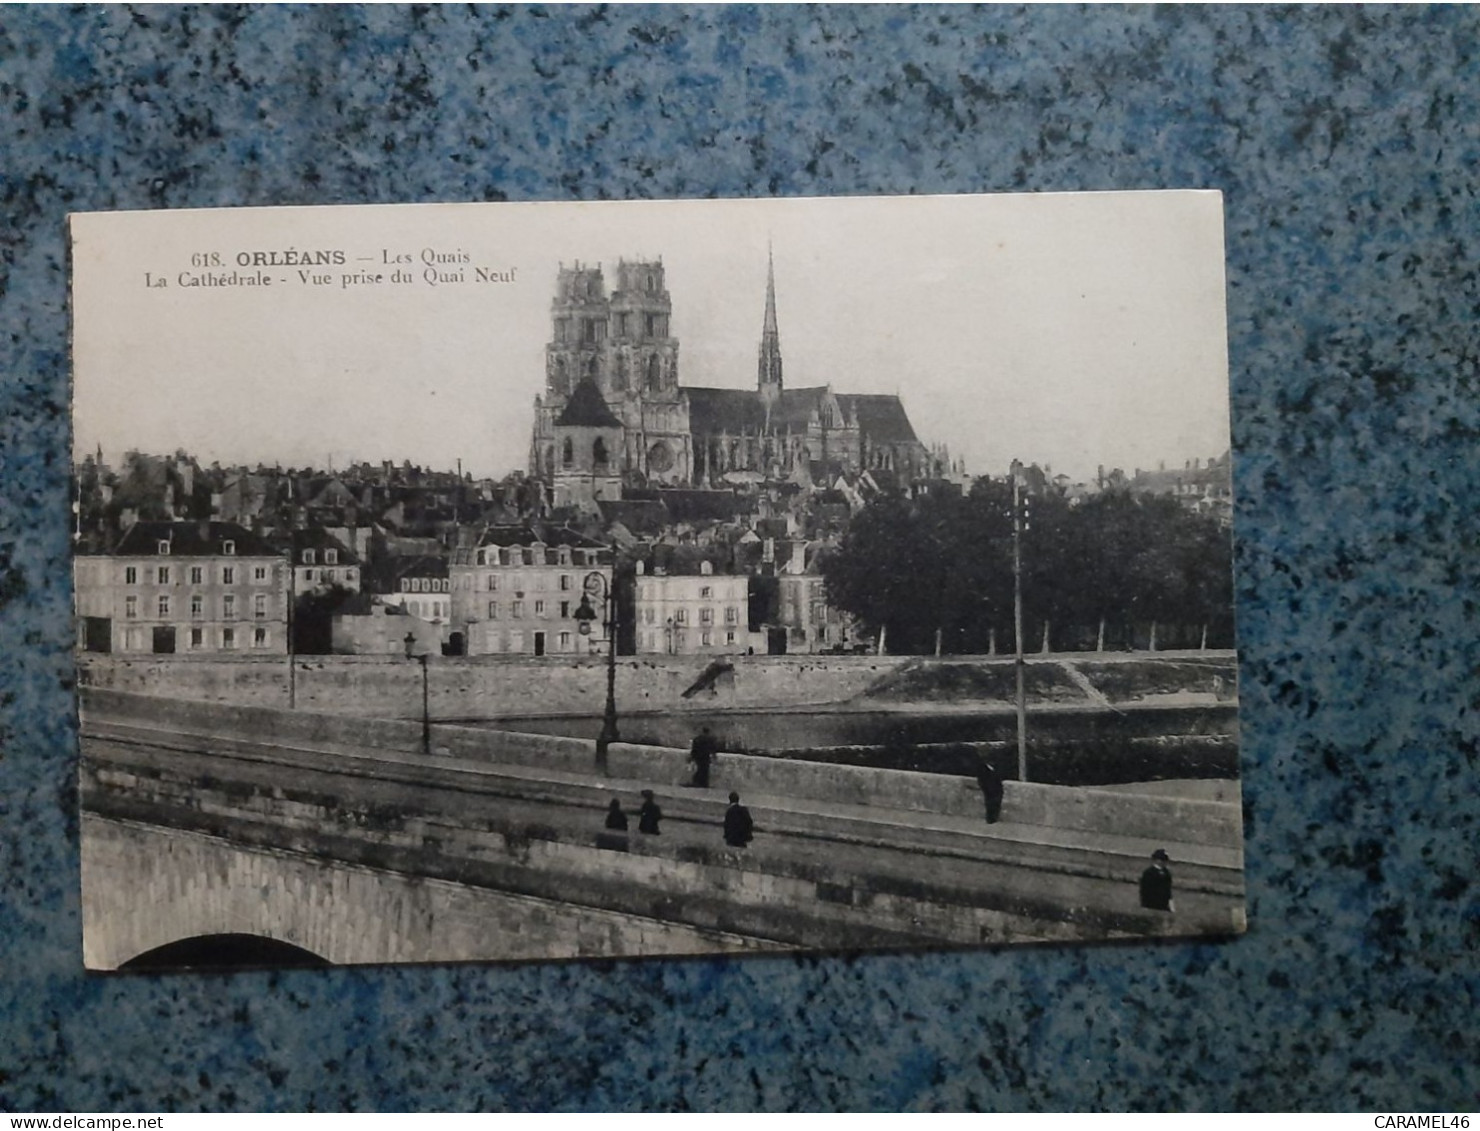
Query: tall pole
pixel 608 733
pixel 426 713
pixel 292 600
pixel 1017 620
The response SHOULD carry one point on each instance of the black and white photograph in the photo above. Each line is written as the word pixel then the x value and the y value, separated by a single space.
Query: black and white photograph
pixel 544 581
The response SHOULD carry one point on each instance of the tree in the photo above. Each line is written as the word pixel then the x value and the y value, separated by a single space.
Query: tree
pixel 313 620
pixel 1106 569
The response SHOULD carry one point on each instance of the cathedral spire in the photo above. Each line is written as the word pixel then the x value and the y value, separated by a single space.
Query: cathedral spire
pixel 769 368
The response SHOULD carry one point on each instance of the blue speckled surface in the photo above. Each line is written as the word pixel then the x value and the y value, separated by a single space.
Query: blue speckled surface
pixel 1346 142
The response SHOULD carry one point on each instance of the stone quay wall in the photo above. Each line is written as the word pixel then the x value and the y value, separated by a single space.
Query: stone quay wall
pixel 485 687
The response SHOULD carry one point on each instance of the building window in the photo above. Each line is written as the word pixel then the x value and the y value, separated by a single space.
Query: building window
pixel 259 606
pixel 308 557
pixel 732 616
pixel 228 549
pixel 565 582
pixel 228 575
pixel 564 610
pixel 259 638
pixel 164 606
pixel 197 637
pixel 331 557
pixel 197 575
pixel 539 608
pixel 228 638
pixel 130 575
pixel 164 547
pixel 228 607
pixel 516 610
pixel 567 454
pixel 493 582
pixel 493 610
pixel 565 642
pixel 704 640
pixel 131 607
pixel 308 575
pixel 706 592
pixel 164 575
pixel 197 607
pixel 647 616
pixel 729 638
pixel 259 573
pixel 706 615
pixel 681 617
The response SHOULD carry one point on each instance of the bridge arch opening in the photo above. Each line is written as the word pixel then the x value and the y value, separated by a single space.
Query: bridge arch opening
pixel 224 952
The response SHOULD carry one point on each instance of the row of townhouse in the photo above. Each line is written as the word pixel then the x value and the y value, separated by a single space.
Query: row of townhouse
pixel 216 587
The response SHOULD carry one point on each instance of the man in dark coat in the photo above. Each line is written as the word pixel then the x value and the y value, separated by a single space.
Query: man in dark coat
pixel 649 815
pixel 990 780
pixel 615 818
pixel 1156 883
pixel 739 828
pixel 702 753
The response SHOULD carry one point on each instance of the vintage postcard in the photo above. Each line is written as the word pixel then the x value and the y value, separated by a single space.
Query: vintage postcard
pixel 539 581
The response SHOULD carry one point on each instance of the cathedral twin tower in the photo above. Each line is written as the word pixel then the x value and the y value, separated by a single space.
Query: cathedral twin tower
pixel 614 415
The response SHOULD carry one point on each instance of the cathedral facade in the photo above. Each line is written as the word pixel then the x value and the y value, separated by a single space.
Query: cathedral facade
pixel 614 413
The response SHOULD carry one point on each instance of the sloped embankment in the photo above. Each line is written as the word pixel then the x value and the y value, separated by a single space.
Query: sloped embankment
pixel 978 682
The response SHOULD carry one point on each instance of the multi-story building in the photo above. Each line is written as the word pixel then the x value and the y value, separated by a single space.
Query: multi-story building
pixel 692 610
pixel 187 587
pixel 517 592
pixel 807 621
pixel 423 588
pixel 321 561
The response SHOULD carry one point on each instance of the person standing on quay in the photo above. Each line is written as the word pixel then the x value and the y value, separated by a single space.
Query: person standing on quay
pixel 649 815
pixel 702 753
pixel 1156 883
pixel 739 828
pixel 615 818
pixel 990 780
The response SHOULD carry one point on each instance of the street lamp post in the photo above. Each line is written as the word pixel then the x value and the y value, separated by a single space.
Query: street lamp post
pixel 426 714
pixel 596 585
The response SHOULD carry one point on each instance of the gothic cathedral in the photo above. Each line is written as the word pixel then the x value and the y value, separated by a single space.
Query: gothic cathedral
pixel 614 415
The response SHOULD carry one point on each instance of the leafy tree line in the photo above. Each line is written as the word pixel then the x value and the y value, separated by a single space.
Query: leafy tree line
pixel 1116 571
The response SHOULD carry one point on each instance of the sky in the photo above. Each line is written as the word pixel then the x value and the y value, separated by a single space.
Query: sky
pixel 1073 330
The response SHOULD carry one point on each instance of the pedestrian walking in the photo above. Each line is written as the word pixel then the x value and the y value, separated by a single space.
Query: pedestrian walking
pixel 1156 883
pixel 649 815
pixel 739 828
pixel 990 780
pixel 615 818
pixel 702 753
